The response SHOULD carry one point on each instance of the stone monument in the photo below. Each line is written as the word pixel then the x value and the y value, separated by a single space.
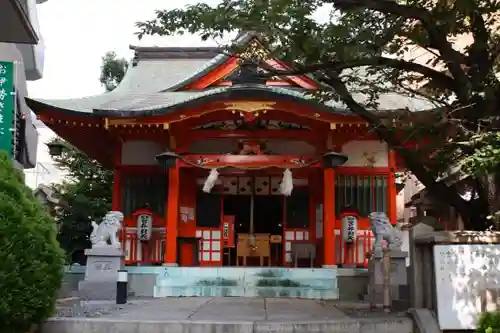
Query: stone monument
pixel 104 259
pixel 384 231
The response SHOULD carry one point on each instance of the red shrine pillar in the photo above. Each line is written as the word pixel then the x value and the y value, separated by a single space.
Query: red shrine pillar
pixel 329 217
pixel 117 192
pixel 172 218
pixel 116 197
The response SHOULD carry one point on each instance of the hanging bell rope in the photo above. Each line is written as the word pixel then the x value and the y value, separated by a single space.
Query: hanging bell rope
pixel 286 186
pixel 211 180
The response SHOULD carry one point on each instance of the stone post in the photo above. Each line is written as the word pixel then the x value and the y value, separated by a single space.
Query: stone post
pixel 386 263
pixel 417 265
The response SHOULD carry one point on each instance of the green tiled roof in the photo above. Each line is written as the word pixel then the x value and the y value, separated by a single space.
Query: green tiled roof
pixel 151 85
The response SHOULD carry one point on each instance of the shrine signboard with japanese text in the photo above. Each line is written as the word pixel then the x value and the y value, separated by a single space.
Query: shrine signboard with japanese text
pixel 7 105
pixel 467 283
pixel 144 226
pixel 350 228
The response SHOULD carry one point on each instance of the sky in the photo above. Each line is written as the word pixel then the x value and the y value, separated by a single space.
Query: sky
pixel 77 33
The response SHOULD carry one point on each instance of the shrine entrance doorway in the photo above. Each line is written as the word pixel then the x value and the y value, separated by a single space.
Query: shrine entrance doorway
pixel 258 226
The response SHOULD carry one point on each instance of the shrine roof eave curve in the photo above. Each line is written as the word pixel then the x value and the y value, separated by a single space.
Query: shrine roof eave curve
pixel 163 103
pixel 239 92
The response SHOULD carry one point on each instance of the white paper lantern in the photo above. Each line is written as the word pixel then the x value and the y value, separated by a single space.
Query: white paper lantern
pixel 349 228
pixel 144 227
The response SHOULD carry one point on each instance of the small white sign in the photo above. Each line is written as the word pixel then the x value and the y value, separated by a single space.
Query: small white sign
pixel 467 283
pixel 349 228
pixel 144 227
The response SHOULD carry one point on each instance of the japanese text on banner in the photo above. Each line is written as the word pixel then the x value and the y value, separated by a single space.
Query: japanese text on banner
pixel 6 105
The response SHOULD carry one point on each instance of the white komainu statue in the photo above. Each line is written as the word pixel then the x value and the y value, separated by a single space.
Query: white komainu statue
pixel 107 230
pixel 383 230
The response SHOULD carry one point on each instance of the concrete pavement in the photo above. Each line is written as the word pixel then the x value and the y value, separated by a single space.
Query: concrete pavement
pixel 227 315
pixel 232 309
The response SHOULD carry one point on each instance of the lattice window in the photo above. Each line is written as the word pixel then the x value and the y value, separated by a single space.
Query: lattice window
pixel 294 236
pixel 365 193
pixel 210 245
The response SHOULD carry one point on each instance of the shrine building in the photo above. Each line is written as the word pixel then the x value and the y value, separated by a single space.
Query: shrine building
pixel 218 165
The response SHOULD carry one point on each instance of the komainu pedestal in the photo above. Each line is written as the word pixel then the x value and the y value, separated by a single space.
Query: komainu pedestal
pixel 104 260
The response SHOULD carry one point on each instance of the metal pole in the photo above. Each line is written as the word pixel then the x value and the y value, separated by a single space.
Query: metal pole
pixel 386 264
pixel 121 287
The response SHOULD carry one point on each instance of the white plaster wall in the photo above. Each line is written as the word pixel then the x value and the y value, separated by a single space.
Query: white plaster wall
pixel 356 150
pixel 139 152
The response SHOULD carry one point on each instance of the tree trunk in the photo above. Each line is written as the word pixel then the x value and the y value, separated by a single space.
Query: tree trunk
pixel 491 185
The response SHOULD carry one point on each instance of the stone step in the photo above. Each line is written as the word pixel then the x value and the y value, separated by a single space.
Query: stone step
pixel 248 282
pixel 249 272
pixel 98 325
pixel 235 291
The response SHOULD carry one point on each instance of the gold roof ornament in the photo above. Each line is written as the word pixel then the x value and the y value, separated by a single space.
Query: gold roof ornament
pixel 249 106
pixel 254 52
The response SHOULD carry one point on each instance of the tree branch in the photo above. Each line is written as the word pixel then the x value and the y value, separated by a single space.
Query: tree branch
pixel 479 57
pixel 437 189
pixel 440 78
pixel 437 36
pixel 385 6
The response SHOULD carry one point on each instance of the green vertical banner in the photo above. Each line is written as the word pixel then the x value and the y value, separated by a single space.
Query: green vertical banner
pixel 7 106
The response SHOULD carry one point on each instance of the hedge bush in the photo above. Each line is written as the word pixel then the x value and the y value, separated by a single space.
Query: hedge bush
pixel 489 322
pixel 31 261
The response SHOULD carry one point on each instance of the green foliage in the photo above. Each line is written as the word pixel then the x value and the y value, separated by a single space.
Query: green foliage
pixel 489 322
pixel 486 156
pixel 31 265
pixel 113 70
pixel 377 47
pixel 87 193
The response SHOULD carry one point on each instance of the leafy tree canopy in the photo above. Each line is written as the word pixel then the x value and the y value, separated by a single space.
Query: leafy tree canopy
pixel 112 70
pixel 86 190
pixel 445 52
